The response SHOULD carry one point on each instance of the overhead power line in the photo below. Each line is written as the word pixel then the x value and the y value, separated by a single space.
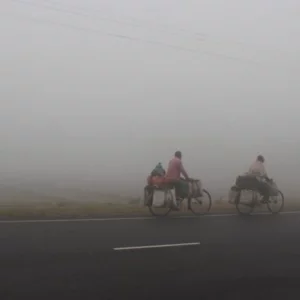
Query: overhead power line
pixel 137 23
pixel 136 39
pixel 131 38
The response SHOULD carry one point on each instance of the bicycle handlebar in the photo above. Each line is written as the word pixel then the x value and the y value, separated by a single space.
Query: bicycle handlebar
pixel 190 179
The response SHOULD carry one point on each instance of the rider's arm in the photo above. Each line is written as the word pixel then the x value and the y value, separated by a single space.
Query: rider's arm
pixel 263 171
pixel 182 170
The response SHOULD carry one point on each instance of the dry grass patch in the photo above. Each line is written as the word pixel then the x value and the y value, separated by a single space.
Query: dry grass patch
pixel 70 210
pixel 94 209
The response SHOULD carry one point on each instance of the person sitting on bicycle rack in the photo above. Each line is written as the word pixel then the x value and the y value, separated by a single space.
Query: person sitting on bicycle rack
pixel 175 169
pixel 258 169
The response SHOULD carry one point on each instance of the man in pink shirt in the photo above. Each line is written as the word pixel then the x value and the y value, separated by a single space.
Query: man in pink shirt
pixel 175 169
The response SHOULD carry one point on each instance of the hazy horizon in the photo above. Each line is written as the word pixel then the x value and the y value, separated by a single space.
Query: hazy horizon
pixel 103 90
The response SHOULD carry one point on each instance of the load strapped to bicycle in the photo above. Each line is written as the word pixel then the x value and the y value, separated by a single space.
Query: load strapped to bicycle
pixel 262 190
pixel 162 196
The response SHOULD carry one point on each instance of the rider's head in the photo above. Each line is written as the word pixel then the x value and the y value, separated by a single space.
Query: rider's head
pixel 178 154
pixel 260 158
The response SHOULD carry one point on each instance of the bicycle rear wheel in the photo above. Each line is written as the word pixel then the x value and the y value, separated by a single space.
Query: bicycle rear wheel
pixel 276 203
pixel 200 205
pixel 161 211
pixel 245 207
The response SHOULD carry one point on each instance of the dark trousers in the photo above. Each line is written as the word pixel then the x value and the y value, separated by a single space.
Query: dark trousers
pixel 181 188
pixel 264 188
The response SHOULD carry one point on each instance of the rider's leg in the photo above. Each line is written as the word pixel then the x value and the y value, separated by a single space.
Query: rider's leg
pixel 264 190
pixel 176 185
pixel 200 188
pixel 184 188
pixel 181 190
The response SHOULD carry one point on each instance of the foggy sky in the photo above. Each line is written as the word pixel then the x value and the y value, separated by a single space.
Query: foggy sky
pixel 103 90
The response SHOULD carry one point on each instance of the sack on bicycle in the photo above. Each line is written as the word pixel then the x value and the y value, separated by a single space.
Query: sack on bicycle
pixel 273 191
pixel 232 194
pixel 158 171
pixel 196 189
pixel 247 182
pixel 261 184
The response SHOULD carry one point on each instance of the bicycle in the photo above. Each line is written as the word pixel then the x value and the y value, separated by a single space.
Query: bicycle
pixel 194 201
pixel 257 200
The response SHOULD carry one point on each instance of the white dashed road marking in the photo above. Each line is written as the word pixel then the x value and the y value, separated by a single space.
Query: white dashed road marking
pixel 156 246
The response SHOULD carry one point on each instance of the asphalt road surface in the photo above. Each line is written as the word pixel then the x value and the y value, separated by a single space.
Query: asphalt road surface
pixel 212 257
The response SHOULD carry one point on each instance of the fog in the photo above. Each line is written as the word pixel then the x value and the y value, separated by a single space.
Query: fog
pixel 95 93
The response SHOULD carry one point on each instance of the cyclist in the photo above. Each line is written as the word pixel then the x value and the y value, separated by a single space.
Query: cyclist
pixel 175 169
pixel 258 169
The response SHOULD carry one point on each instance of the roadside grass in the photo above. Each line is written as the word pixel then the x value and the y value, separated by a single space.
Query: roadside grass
pixel 82 209
pixel 70 210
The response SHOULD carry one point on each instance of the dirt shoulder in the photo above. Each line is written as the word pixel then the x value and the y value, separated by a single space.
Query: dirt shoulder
pixel 100 210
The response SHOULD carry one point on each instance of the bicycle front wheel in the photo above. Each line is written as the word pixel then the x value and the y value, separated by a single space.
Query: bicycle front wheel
pixel 201 205
pixel 276 203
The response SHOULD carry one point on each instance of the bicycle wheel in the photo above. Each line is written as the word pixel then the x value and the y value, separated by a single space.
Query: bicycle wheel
pixel 245 207
pixel 276 203
pixel 161 211
pixel 147 196
pixel 201 205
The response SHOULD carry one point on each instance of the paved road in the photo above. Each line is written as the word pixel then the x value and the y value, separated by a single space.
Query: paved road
pixel 237 258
